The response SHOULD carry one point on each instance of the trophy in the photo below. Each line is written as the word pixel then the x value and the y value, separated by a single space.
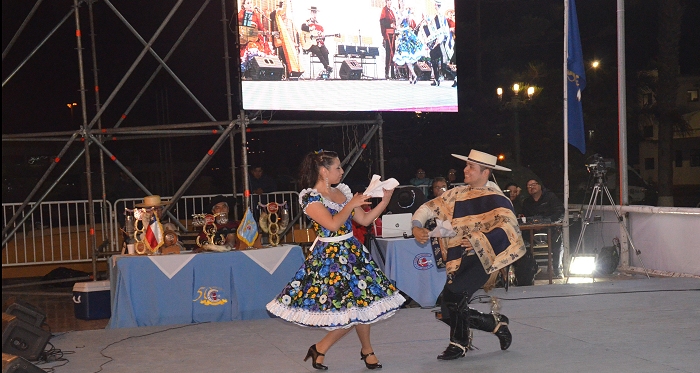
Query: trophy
pixel 271 222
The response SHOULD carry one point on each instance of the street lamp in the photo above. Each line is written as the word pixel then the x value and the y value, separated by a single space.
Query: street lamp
pixel 71 106
pixel 515 104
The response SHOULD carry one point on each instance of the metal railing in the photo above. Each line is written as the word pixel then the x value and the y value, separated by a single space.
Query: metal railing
pixel 56 232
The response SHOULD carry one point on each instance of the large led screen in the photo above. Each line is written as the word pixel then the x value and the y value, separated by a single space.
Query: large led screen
pixel 360 55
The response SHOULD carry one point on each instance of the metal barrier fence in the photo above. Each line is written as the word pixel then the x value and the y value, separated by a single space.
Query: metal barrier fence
pixel 56 232
pixel 188 205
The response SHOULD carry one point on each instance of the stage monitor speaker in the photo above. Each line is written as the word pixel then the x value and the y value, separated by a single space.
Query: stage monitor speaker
pixel 350 70
pixel 266 68
pixel 405 200
pixel 23 339
pixel 27 312
pixel 423 70
pixel 15 364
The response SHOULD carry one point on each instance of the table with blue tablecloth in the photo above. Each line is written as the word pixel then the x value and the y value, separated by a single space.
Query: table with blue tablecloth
pixel 411 266
pixel 204 287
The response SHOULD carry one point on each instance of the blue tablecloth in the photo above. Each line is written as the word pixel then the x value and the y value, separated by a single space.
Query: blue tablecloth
pixel 412 268
pixel 205 287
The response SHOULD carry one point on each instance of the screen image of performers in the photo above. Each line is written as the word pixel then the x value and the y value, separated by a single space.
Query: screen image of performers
pixel 409 49
pixel 387 23
pixel 312 40
pixel 251 30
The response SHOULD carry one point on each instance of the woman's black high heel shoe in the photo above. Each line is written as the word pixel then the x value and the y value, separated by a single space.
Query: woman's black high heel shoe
pixel 313 354
pixel 364 357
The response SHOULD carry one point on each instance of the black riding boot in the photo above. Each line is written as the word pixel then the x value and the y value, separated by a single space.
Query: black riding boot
pixel 459 335
pixel 493 323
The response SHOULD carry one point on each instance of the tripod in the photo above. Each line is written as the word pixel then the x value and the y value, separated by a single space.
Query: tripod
pixel 599 173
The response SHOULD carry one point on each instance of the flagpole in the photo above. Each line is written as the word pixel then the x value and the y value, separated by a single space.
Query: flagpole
pixel 565 230
pixel 622 128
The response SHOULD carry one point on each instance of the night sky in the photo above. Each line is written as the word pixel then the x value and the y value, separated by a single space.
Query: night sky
pixel 514 34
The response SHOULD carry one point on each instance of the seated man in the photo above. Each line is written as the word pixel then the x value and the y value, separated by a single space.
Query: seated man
pixel 224 238
pixel 451 178
pixel 313 39
pixel 260 183
pixel 515 197
pixel 545 205
pixel 421 181
pixel 439 187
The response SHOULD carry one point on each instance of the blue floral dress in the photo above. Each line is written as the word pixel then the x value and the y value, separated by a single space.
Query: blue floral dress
pixel 339 285
pixel 409 49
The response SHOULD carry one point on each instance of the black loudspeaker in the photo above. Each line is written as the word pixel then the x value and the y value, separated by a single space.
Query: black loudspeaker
pixel 15 364
pixel 405 200
pixel 350 70
pixel 23 339
pixel 423 70
pixel 266 68
pixel 27 312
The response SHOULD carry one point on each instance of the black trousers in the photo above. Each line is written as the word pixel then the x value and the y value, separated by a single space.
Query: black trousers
pixel 469 278
pixel 388 63
pixel 322 54
pixel 436 61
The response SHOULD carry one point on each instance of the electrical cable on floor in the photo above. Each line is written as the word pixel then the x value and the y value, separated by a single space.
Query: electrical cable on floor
pixel 52 355
pixel 485 298
pixel 139 336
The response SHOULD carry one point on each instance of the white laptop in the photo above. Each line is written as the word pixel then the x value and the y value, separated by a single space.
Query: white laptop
pixel 395 225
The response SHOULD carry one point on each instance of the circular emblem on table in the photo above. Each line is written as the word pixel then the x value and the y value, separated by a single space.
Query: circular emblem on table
pixel 210 296
pixel 423 261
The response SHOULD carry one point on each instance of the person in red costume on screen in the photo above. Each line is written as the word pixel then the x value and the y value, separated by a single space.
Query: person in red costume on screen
pixel 387 23
pixel 251 34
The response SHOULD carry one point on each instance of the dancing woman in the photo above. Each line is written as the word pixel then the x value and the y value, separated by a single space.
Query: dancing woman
pixel 409 49
pixel 339 286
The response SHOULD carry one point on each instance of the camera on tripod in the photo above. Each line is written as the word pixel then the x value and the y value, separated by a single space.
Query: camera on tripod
pixel 599 165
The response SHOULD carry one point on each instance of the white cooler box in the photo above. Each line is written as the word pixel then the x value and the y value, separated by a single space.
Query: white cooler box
pixel 92 300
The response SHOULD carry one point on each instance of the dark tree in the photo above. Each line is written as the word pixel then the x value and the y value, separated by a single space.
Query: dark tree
pixel 670 17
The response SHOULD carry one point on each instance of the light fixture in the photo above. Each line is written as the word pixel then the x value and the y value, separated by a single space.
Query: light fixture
pixel 530 92
pixel 499 92
pixel 582 265
pixel 516 88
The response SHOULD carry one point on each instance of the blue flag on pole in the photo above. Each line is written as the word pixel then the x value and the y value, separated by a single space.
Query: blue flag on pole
pixel 576 77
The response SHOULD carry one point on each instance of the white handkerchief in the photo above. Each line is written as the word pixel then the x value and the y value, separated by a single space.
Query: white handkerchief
pixel 375 188
pixel 443 229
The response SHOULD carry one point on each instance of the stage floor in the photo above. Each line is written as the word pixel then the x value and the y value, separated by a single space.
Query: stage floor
pixel 638 325
pixel 349 95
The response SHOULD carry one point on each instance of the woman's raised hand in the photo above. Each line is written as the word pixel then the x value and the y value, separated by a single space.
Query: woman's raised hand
pixel 387 195
pixel 359 200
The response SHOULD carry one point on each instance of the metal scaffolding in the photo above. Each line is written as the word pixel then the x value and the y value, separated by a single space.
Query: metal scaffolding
pixel 93 131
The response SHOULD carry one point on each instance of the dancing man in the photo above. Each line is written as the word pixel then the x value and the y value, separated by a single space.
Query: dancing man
pixel 439 34
pixel 487 239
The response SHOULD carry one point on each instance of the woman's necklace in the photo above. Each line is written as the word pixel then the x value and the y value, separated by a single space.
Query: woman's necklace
pixel 413 200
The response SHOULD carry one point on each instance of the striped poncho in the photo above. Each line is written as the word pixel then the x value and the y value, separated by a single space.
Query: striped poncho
pixel 482 215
